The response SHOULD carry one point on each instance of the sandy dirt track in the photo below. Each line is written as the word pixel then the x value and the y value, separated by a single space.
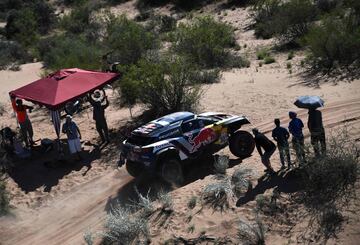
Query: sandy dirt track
pixel 85 206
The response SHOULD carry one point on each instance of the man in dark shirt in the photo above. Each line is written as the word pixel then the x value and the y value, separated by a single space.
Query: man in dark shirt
pixel 262 142
pixel 295 128
pixel 317 131
pixel 281 136
pixel 99 115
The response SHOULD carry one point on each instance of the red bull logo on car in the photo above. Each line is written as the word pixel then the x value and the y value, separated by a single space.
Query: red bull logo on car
pixel 205 136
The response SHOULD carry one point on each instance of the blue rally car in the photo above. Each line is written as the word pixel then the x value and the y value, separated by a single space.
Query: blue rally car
pixel 162 146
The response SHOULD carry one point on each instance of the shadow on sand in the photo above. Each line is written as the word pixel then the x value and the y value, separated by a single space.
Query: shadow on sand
pixel 47 168
pixel 152 185
pixel 286 182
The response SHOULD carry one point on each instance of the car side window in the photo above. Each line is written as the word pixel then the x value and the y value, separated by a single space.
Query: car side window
pixel 191 125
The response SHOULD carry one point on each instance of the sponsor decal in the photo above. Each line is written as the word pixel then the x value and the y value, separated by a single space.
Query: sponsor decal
pixel 205 136
pixel 169 134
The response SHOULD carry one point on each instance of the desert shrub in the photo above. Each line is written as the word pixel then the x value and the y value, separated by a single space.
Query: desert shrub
pixel 77 20
pixel 12 52
pixel 252 234
pixel 287 20
pixel 123 227
pixel 334 44
pixel 291 55
pixel 129 40
pixel 208 76
pixel 162 23
pixel 192 202
pixel 327 5
pixel 21 26
pixel 144 204
pixel 163 87
pixel 264 14
pixel 331 178
pixel 88 237
pixel 217 195
pixel 4 198
pixel 330 221
pixel 288 65
pixel 165 200
pixel 221 164
pixel 262 53
pixel 240 181
pixel 269 60
pixel 329 182
pixel 27 19
pixel 205 42
pixel 70 52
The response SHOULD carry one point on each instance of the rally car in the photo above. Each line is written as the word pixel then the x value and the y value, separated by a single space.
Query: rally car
pixel 163 146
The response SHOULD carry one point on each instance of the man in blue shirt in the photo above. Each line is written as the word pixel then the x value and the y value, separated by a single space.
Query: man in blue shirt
pixel 295 128
pixel 281 136
pixel 73 134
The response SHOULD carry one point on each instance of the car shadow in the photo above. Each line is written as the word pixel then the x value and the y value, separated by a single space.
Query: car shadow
pixel 285 181
pixel 152 185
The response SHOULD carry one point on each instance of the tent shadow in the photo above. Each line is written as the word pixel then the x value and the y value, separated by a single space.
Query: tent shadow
pixel 45 169
pixel 286 182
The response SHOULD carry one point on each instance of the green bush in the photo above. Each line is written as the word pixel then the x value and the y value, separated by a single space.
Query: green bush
pixel 21 26
pixel 163 87
pixel 287 20
pixel 28 19
pixel 262 53
pixel 334 44
pixel 12 52
pixel 269 60
pixel 78 20
pixel 129 40
pixel 204 42
pixel 69 52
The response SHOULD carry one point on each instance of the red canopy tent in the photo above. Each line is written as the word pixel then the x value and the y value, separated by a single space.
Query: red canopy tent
pixel 58 88
pixel 63 86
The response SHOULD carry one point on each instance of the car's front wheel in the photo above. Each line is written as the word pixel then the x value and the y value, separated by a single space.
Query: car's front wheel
pixel 172 171
pixel 241 144
pixel 134 168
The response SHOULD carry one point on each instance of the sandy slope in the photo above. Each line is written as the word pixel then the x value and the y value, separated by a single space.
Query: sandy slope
pixel 60 207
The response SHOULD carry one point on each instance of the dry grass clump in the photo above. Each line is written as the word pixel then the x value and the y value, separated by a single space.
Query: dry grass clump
pixel 221 163
pixel 192 202
pixel 218 194
pixel 252 234
pixel 165 200
pixel 240 181
pixel 144 203
pixel 124 227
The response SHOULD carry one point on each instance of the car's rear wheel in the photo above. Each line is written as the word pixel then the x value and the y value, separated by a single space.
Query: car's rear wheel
pixel 172 171
pixel 241 144
pixel 134 168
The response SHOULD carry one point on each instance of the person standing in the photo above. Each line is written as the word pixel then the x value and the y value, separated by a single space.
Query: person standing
pixel 262 142
pixel 24 121
pixel 317 131
pixel 99 115
pixel 295 128
pixel 73 135
pixel 281 136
